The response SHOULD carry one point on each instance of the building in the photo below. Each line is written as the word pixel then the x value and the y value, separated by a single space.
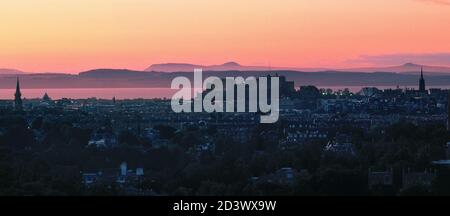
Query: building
pixel 341 146
pixel 286 89
pixel 418 178
pixel 285 176
pixel 46 98
pixel 121 176
pixel 46 101
pixel 103 140
pixel 446 161
pixel 383 178
pixel 18 97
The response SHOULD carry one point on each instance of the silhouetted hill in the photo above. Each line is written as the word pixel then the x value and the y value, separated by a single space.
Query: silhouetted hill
pixel 173 67
pixel 229 66
pixel 405 68
pixel 112 73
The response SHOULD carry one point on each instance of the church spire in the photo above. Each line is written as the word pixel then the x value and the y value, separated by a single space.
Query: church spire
pixel 421 81
pixel 18 86
pixel 18 97
pixel 421 72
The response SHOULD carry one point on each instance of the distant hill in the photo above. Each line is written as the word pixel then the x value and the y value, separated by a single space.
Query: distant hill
pixel 229 66
pixel 173 67
pixel 111 73
pixel 10 71
pixel 403 75
pixel 233 66
pixel 405 68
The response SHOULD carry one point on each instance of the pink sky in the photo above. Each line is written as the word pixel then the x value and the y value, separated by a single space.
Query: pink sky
pixel 72 36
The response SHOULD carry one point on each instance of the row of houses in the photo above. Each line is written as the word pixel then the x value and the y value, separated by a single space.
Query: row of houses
pixel 408 178
pixel 121 176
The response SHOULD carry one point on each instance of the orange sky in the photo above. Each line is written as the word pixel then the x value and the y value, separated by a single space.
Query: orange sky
pixel 72 36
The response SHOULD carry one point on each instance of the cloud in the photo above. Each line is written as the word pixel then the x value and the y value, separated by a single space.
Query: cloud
pixel 443 2
pixel 402 58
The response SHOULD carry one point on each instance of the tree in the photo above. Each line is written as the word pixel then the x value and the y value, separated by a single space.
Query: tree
pixel 127 137
pixel 309 92
pixel 165 132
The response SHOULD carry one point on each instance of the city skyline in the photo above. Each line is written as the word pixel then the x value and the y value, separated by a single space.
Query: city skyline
pixel 164 93
pixel 63 36
pixel 225 106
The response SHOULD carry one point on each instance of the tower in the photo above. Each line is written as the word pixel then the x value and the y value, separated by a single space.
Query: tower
pixel 18 97
pixel 421 81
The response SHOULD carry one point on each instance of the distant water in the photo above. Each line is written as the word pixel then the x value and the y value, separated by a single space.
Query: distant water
pixel 101 93
pixel 132 93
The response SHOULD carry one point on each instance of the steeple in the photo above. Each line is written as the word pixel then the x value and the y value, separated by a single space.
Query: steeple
pixel 421 73
pixel 421 81
pixel 18 97
pixel 18 87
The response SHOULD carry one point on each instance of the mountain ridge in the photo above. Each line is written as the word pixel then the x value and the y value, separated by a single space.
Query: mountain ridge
pixel 187 67
pixel 228 66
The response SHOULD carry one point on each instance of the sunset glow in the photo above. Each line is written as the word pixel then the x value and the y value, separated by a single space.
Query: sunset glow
pixel 72 36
